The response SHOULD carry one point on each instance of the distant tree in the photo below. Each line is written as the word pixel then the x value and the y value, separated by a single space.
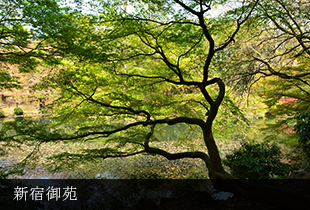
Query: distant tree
pixel 18 111
pixel 271 60
pixel 288 55
pixel 278 47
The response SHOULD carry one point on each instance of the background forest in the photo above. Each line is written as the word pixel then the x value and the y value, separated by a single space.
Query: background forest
pixel 155 89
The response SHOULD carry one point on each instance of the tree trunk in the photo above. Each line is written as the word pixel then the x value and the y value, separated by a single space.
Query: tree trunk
pixel 253 191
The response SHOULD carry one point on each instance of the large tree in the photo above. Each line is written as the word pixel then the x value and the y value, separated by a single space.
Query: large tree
pixel 125 73
pixel 146 70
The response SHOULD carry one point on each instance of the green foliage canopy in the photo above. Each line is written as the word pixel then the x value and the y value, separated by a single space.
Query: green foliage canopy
pixel 32 34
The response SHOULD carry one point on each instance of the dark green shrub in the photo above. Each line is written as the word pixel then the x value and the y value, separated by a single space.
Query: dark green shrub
pixel 302 129
pixel 256 161
pixel 18 111
pixel 2 114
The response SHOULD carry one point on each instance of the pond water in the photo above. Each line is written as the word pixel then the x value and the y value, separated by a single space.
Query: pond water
pixel 175 138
